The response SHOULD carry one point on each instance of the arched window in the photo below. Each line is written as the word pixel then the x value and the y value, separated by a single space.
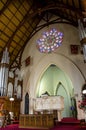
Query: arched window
pixel 10 90
pixel 19 92
pixel 27 103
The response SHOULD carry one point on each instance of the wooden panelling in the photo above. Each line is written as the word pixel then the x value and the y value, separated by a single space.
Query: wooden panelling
pixel 10 106
pixel 36 120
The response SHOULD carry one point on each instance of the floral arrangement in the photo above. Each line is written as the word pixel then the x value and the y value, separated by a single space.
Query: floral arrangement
pixel 82 105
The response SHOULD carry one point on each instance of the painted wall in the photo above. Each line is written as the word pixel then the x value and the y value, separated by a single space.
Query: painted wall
pixel 50 80
pixel 72 65
pixel 55 82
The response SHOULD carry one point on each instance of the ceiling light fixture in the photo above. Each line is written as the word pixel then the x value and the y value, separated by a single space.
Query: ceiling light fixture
pixel 84 91
pixel 11 99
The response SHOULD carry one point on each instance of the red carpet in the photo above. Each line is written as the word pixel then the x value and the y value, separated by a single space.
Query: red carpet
pixel 16 127
pixel 70 120
pixel 58 127
pixel 68 127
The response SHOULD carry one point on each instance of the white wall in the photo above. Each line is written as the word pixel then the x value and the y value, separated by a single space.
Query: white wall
pixel 72 65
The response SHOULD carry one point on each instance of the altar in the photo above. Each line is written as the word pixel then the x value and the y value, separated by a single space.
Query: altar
pixel 46 110
pixel 49 104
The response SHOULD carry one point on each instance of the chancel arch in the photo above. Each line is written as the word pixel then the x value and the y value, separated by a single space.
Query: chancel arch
pixel 64 64
pixel 48 81
pixel 56 82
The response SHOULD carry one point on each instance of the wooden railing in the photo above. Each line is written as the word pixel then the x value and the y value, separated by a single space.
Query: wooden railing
pixel 36 120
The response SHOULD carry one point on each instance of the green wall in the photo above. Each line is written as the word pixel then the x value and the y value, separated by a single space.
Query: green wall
pixel 50 82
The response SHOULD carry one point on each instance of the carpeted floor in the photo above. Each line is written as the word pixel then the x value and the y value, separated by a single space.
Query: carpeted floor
pixel 16 127
pixel 57 127
pixel 68 127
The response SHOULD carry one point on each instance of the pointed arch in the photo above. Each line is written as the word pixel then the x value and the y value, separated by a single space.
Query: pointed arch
pixel 60 90
pixel 19 92
pixel 10 90
pixel 27 103
pixel 58 85
pixel 51 59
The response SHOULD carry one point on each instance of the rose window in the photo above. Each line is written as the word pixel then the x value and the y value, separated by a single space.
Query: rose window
pixel 50 41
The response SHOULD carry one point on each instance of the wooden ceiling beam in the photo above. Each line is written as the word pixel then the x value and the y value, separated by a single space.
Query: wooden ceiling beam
pixel 80 4
pixel 20 24
pixel 14 33
pixel 54 7
pixel 73 3
pixel 20 53
pixel 5 6
pixel 26 17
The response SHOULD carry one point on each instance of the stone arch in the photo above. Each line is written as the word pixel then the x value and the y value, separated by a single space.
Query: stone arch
pixel 63 63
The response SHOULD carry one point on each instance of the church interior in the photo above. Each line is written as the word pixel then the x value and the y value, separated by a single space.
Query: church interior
pixel 42 63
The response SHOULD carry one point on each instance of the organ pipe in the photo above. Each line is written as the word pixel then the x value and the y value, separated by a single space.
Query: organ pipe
pixel 4 69
pixel 82 30
pixel 82 35
pixel 7 87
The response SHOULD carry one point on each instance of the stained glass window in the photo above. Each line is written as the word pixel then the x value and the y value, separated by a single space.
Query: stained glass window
pixel 50 41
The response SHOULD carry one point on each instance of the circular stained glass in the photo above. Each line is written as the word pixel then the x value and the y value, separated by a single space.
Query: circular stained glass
pixel 50 41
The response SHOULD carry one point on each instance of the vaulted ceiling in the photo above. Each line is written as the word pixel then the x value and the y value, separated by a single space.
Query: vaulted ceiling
pixel 19 21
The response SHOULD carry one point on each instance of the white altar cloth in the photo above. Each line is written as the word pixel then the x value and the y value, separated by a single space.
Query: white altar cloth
pixel 49 103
